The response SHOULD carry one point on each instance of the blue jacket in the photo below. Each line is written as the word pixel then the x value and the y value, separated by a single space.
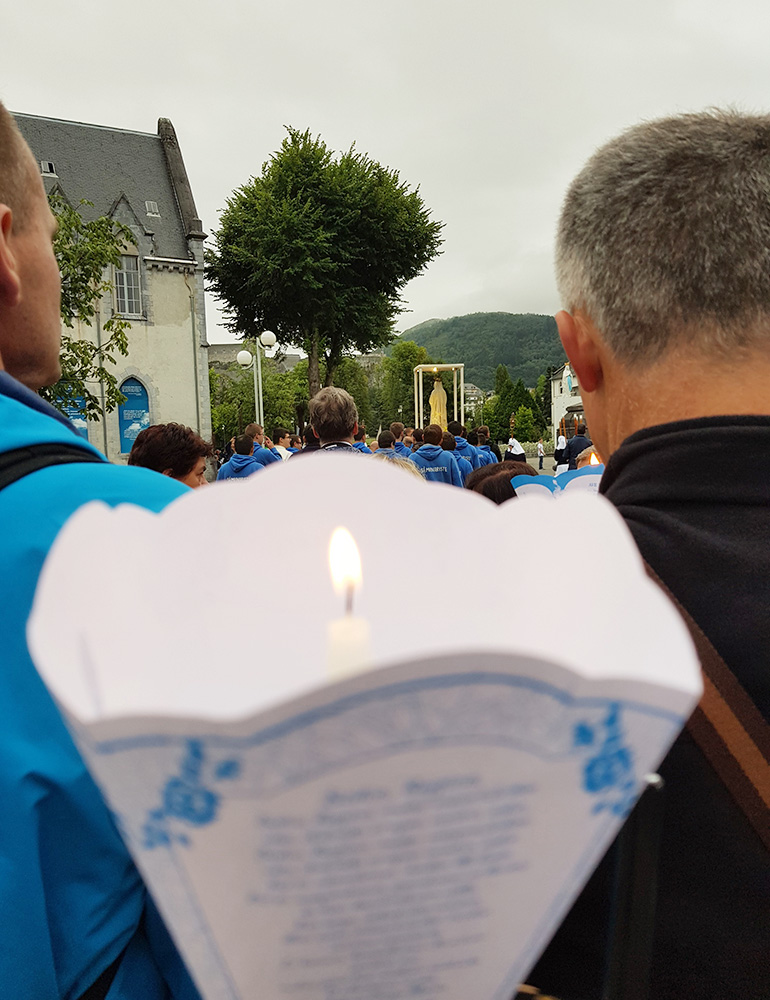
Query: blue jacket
pixel 468 452
pixel 239 467
pixel 71 895
pixel 438 465
pixel 462 464
pixel 362 447
pixel 488 457
pixel 265 455
pixel 401 449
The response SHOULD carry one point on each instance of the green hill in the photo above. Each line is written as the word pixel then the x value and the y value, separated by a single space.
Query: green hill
pixel 527 344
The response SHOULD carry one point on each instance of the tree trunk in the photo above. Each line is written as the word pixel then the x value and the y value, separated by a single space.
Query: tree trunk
pixel 331 366
pixel 313 368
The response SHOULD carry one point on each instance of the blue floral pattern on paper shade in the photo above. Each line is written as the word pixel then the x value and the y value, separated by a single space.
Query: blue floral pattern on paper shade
pixel 609 772
pixel 186 798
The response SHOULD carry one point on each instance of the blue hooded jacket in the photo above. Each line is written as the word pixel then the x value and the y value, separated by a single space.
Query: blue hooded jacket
pixel 362 447
pixel 462 464
pixel 264 455
pixel 239 467
pixel 401 449
pixel 488 457
pixel 438 465
pixel 468 452
pixel 72 896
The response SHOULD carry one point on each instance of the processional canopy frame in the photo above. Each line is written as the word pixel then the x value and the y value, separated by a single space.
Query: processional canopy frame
pixel 419 405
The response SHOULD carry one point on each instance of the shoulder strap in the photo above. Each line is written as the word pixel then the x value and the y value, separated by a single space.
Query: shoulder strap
pixel 729 729
pixel 20 462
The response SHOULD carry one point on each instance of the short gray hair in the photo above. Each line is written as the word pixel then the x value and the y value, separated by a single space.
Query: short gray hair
pixel 664 236
pixel 15 186
pixel 333 414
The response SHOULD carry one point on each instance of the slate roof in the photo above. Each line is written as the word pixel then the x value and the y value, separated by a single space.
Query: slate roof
pixel 100 164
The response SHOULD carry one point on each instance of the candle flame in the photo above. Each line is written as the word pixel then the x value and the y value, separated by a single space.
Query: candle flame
pixel 344 561
pixel 595 460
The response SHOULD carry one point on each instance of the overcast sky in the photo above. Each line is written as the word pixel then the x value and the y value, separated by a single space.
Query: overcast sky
pixel 490 107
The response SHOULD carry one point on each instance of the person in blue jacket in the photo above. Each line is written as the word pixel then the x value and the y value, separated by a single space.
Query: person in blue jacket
pixel 77 918
pixel 464 449
pixel 263 451
pixel 243 463
pixel 438 466
pixel 359 441
pixel 397 430
pixel 485 449
pixel 449 444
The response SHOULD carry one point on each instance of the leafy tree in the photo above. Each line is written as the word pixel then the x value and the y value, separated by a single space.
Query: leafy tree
pixel 84 251
pixel 398 381
pixel 525 425
pixel 351 377
pixel 319 249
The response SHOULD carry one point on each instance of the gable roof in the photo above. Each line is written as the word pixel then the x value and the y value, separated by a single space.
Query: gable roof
pixel 102 164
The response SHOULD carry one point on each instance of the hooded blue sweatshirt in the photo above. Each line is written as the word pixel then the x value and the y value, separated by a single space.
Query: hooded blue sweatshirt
pixel 362 447
pixel 438 465
pixel 462 464
pixel 401 449
pixel 264 455
pixel 468 452
pixel 239 467
pixel 487 455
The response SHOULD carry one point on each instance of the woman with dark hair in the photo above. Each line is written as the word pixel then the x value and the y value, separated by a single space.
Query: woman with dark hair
pixel 173 450
pixel 494 481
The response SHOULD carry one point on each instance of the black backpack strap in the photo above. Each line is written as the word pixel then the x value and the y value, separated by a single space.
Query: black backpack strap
pixel 20 462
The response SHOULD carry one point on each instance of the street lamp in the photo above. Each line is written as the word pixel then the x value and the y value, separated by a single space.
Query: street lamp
pixel 246 360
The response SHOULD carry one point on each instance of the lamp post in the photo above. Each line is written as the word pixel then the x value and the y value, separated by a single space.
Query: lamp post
pixel 246 360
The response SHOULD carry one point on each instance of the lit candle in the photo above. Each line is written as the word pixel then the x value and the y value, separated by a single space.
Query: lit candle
pixel 595 460
pixel 348 648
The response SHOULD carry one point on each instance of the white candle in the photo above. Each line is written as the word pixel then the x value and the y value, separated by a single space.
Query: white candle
pixel 348 647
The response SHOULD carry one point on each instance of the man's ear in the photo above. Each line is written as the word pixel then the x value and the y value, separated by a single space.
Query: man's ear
pixel 581 342
pixel 355 428
pixel 10 286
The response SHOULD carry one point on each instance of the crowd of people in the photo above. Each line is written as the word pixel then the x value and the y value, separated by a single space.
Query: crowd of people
pixel 454 456
pixel 663 266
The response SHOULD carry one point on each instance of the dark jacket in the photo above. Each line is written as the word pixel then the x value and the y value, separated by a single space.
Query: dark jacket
pixel 707 535
pixel 574 447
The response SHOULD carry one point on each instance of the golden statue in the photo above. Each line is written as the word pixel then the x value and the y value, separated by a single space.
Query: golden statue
pixel 438 404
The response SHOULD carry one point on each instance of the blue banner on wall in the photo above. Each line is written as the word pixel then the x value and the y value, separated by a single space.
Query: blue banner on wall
pixel 134 414
pixel 76 411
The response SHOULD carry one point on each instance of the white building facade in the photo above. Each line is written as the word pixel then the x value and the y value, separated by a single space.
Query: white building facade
pixel 566 402
pixel 138 179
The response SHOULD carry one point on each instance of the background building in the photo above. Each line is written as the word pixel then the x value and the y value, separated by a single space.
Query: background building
pixel 566 403
pixel 138 179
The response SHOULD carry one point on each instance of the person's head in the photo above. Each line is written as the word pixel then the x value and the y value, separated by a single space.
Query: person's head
pixel 399 462
pixel 385 439
pixel 494 481
pixel 333 415
pixel 483 438
pixel 255 432
pixel 295 441
pixel 473 438
pixel 174 450
pixel 397 430
pixel 483 429
pixel 581 429
pixel 417 435
pixel 244 444
pixel 30 285
pixel 360 434
pixel 282 437
pixel 456 428
pixel 448 442
pixel 588 456
pixel 663 267
pixel 432 434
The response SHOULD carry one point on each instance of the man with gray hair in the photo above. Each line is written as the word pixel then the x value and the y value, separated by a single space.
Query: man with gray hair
pixel 663 265
pixel 334 418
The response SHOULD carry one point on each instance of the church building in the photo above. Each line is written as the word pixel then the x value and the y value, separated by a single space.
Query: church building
pixel 138 179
